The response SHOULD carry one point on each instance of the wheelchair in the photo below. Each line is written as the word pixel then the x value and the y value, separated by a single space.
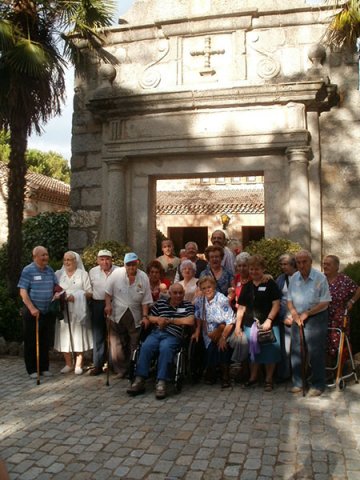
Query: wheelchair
pixel 182 367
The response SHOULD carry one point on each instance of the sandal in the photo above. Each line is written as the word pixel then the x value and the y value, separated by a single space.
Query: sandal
pixel 268 387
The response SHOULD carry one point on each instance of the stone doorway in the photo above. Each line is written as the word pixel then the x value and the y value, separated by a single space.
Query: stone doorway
pixel 192 208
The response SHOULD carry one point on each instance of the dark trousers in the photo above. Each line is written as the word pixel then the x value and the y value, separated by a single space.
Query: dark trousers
pixel 124 337
pixel 315 332
pixel 215 357
pixel 29 328
pixel 99 332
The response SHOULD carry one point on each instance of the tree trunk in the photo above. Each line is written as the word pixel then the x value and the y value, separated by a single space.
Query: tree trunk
pixel 15 204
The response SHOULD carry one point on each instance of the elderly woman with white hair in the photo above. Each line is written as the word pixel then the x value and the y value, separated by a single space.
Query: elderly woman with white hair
pixel 241 278
pixel 188 271
pixel 73 334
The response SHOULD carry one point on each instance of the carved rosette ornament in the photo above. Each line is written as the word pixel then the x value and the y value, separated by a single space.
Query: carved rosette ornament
pixel 151 77
pixel 268 67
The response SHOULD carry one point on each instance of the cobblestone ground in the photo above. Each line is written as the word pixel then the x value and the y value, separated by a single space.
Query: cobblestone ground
pixel 77 428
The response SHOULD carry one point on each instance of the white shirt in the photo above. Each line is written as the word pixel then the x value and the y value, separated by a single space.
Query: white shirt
pixel 126 296
pixel 98 279
pixel 79 281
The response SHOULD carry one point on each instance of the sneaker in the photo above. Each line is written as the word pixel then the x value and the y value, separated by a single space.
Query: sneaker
pixel 78 371
pixel 314 392
pixel 160 389
pixel 295 390
pixel 66 369
pixel 47 373
pixel 33 375
pixel 137 387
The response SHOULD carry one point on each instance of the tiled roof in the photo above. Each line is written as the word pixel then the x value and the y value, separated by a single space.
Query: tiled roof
pixel 42 188
pixel 207 202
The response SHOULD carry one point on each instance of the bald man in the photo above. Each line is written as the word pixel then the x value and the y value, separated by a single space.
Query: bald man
pixel 36 284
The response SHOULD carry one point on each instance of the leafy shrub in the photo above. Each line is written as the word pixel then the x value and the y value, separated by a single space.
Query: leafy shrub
pixel 353 271
pixel 49 229
pixel 10 318
pixel 271 249
pixel 117 249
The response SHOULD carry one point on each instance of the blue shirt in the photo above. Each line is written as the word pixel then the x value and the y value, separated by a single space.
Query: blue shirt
pixel 39 283
pixel 223 283
pixel 217 311
pixel 305 294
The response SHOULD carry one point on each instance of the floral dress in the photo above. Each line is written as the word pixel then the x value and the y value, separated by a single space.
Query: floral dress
pixel 341 290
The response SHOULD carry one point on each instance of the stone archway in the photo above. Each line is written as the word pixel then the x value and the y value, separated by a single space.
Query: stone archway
pixel 175 116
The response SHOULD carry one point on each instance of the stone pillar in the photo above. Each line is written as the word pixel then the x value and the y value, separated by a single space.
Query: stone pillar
pixel 299 199
pixel 116 212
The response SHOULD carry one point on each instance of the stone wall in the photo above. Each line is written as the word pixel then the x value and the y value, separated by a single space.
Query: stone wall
pixel 211 87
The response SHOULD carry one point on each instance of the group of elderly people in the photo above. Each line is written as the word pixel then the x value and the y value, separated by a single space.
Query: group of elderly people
pixel 223 302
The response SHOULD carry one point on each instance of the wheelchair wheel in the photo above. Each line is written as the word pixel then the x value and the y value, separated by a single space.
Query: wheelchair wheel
pixel 178 384
pixel 132 366
pixel 179 370
pixel 341 385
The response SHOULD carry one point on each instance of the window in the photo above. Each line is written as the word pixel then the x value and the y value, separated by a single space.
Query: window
pixel 251 179
pixel 220 180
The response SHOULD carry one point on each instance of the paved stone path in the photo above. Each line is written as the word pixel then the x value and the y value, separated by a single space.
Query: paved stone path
pixel 77 428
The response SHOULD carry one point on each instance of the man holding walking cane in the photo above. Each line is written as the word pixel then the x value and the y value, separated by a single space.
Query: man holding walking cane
pixel 36 284
pixel 98 276
pixel 308 300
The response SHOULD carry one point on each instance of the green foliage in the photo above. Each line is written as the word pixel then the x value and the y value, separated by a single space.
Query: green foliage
pixel 117 249
pixel 271 249
pixel 48 229
pixel 344 28
pixel 4 146
pixel 10 318
pixel 353 271
pixel 51 164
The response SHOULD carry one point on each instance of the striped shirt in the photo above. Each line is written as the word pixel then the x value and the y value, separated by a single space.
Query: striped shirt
pixel 162 308
pixel 39 283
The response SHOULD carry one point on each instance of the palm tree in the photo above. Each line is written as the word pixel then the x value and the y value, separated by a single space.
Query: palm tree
pixel 344 29
pixel 32 84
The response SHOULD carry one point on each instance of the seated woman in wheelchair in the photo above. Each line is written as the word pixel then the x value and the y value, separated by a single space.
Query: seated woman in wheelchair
pixel 168 317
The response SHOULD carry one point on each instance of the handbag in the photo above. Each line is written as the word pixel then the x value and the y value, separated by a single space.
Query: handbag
pixel 240 347
pixel 265 337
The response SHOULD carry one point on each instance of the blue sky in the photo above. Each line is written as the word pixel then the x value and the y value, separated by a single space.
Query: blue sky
pixel 56 134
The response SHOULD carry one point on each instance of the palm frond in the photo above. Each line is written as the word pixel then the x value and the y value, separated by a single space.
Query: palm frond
pixel 7 37
pixel 344 28
pixel 28 58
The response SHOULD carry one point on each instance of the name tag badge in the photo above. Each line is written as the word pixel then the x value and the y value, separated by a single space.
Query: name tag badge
pixel 37 277
pixel 181 310
pixel 261 289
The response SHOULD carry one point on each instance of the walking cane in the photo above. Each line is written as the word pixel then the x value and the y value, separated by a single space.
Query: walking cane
pixel 37 349
pixel 70 333
pixel 341 348
pixel 108 350
pixel 303 359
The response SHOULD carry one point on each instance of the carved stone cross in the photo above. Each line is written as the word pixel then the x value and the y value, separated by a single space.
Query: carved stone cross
pixel 207 52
